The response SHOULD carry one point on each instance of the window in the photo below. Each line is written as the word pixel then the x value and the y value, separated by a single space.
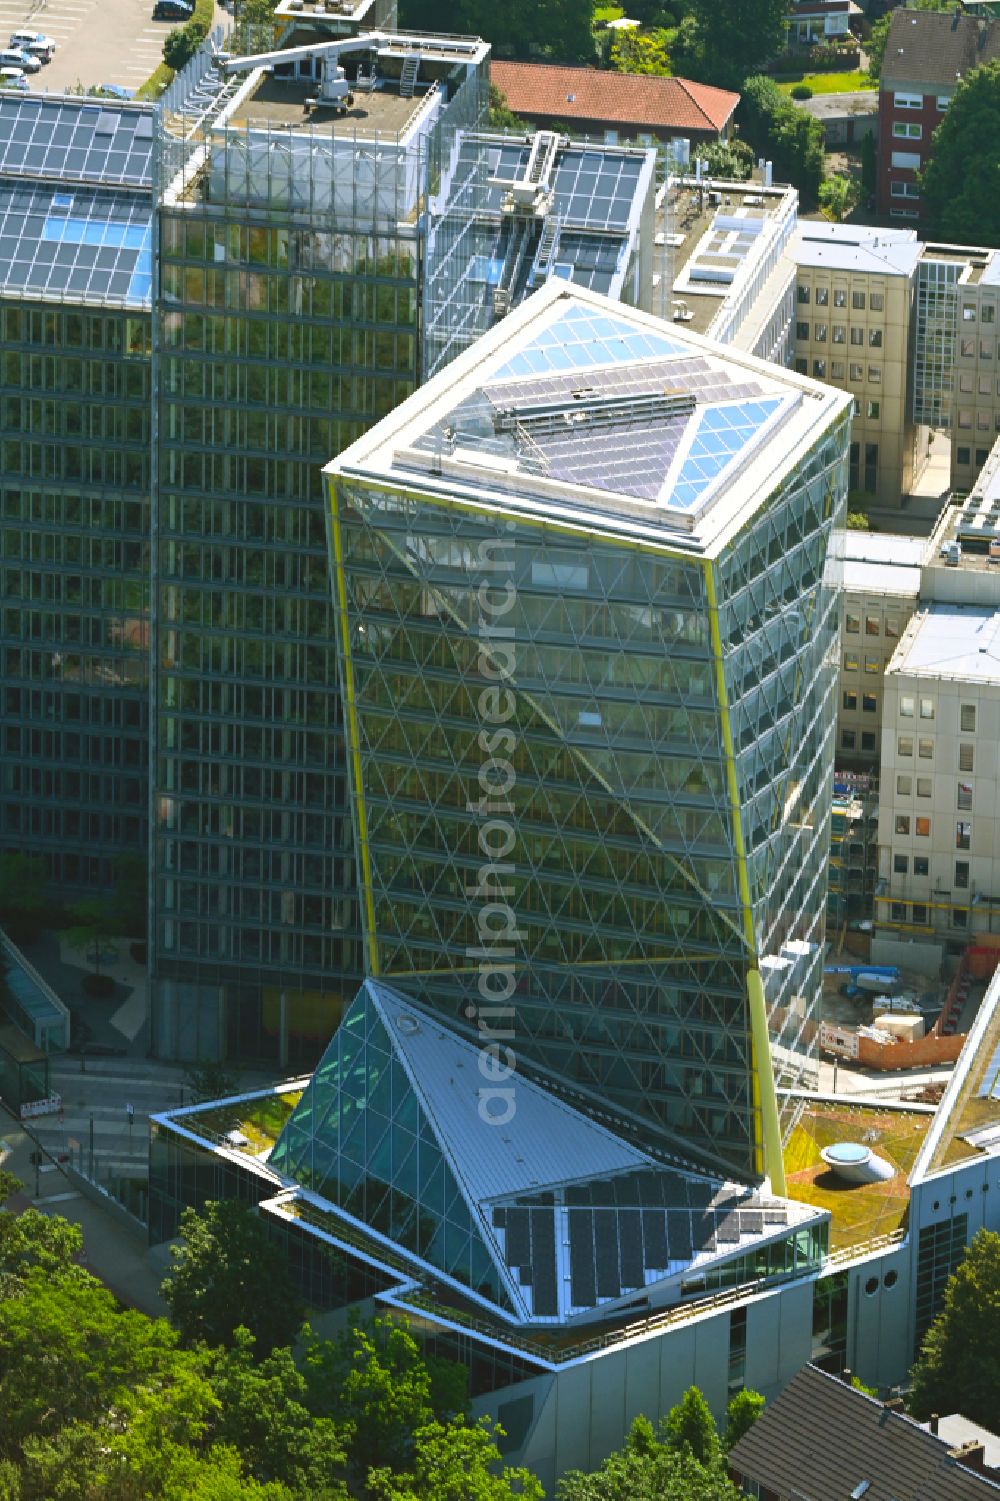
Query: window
pixel 802 330
pixel 959 918
pixel 986 349
pixel 908 101
pixel 925 750
pixel 904 745
pixel 906 130
pixel 904 786
pixel 819 369
pixel 802 367
pixel 900 864
pixel 919 912
pixel 965 384
pixel 987 312
pixel 873 409
pixel 926 708
pixel 966 758
pixel 923 827
pixel 869 703
pixel 986 385
pixel 840 297
pixel 963 835
pixel 921 865
pixel 967 347
pixel 902 823
pixel 858 300
pixel 981 456
pixel 897 912
pixel 803 293
pixel 851 661
pixel 875 338
pixel 868 740
pixel 968 312
pixel 847 739
pixel 876 301
pixel 923 786
pixel 820 332
pixel 907 161
pixel 907 706
pixel 965 796
pixel 875 376
pixel 963 455
pixel 822 296
pixel 904 190
pixel 967 716
pixel 873 665
pixel 850 700
pixel 839 333
pixel 871 625
pixel 964 417
pixel 836 370
pixel 962 874
pixel 857 337
pixel 857 372
pixel 943 101
pixel 892 627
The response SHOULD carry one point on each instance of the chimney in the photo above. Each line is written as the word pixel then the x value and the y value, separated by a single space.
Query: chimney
pixel 894 1404
pixel 933 1424
pixel 971 1454
pixel 847 1376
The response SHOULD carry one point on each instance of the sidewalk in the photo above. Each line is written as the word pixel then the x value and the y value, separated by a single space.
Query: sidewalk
pixel 111 1253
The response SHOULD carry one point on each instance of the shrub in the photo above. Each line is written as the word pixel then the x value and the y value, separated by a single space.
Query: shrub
pixel 182 43
pixel 801 91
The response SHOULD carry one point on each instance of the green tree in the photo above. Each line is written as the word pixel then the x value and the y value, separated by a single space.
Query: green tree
pixel 736 36
pixel 264 1417
pixel 23 903
pixel 875 46
pixel 559 29
pixel 33 1239
pixel 641 52
pixel 502 117
pixel 453 1462
pixel 731 160
pixel 788 136
pixel 373 1381
pixel 92 923
pixel 690 1426
pixel 961 183
pixel 838 196
pixel 227 1273
pixel 182 43
pixel 958 1368
pixel 210 1081
pixel 632 1474
pixel 743 1411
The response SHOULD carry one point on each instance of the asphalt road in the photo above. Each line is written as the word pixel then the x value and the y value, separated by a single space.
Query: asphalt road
pixel 97 41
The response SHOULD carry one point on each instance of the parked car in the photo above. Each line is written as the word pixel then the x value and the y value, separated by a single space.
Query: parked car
pixel 172 10
pixel 41 50
pixel 22 40
pixel 13 78
pixel 116 91
pixel 11 58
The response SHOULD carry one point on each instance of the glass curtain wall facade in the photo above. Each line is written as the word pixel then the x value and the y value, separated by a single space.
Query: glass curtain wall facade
pixel 646 881
pixel 74 570
pixel 296 286
pixel 935 333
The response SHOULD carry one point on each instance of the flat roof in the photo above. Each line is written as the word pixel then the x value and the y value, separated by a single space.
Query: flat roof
pixel 282 101
pixel 880 578
pixel 954 643
pixel 588 411
pixel 884 547
pixel 856 247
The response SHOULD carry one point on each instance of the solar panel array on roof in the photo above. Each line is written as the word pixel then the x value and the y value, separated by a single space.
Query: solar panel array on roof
pixel 76 140
pixel 86 244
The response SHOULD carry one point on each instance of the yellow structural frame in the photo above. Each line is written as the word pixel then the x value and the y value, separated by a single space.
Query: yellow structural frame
pixel 353 737
pixel 767 1147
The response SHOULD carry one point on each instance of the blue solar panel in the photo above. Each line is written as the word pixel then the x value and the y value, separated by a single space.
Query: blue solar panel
pixel 990 1088
pixel 721 434
pixel 88 244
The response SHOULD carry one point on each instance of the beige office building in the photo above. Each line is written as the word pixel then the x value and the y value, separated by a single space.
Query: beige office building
pixel 879 584
pixel 854 313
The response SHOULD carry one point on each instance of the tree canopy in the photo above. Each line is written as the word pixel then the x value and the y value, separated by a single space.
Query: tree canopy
pixel 735 37
pixel 776 128
pixel 683 1461
pixel 961 183
pixel 227 1272
pixel 958 1368
pixel 559 29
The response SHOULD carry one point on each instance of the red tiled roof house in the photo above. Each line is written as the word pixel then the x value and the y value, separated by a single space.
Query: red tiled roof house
pixel 615 106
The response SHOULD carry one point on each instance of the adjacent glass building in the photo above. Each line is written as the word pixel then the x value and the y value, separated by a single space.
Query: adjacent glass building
pixel 587 658
pixel 75 459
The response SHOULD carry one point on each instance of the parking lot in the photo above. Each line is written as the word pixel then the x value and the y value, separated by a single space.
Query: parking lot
pixel 97 41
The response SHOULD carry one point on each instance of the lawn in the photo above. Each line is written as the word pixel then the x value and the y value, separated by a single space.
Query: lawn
pixel 826 83
pixel 260 1120
pixel 859 1211
pixel 608 12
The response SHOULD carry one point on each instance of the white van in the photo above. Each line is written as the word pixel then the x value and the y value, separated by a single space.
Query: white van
pixel 41 50
pixel 10 58
pixel 15 78
pixel 22 40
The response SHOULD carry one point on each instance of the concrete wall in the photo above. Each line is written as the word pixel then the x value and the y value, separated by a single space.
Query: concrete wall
pixel 923 958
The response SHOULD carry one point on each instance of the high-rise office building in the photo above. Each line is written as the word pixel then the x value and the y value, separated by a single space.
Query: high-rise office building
pixel 75 458
pixel 588 660
pixel 242 281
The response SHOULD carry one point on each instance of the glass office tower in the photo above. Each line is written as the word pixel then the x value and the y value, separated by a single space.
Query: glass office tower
pixel 301 262
pixel 75 421
pixel 587 655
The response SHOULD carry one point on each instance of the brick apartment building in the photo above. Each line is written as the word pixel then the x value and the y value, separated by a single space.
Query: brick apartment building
pixel 927 54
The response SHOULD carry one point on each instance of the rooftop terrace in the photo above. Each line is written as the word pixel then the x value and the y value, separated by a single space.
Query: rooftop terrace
pixel 283 102
pixel 256 1118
